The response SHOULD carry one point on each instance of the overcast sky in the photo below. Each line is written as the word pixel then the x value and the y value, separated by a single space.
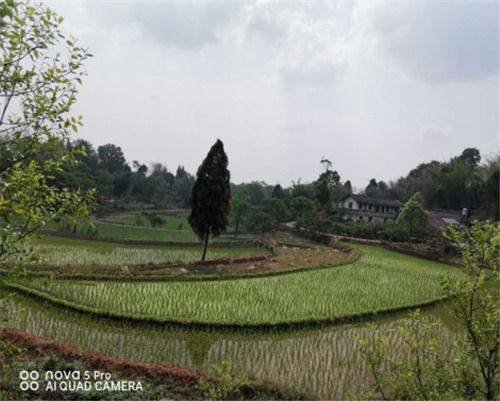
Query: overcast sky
pixel 376 87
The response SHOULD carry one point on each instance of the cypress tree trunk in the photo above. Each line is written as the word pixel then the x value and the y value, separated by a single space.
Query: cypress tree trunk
pixel 206 245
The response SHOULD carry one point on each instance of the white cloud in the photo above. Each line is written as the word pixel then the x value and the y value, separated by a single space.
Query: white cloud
pixel 434 133
pixel 285 84
pixel 436 41
pixel 311 46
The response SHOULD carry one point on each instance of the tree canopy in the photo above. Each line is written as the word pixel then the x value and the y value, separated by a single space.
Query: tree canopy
pixel 211 196
pixel 41 70
pixel 413 215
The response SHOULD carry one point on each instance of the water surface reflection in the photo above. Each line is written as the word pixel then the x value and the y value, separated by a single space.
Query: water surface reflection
pixel 325 362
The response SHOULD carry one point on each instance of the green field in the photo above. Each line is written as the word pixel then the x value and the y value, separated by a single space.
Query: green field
pixel 125 229
pixel 120 231
pixel 171 222
pixel 380 280
pixel 321 362
pixel 59 251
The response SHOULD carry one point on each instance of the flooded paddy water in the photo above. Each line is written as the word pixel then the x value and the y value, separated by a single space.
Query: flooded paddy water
pixel 326 362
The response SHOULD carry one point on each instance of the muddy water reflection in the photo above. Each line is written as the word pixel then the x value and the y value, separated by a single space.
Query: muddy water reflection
pixel 325 362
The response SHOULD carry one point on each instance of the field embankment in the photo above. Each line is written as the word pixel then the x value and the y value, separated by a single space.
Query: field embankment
pixel 159 380
pixel 380 281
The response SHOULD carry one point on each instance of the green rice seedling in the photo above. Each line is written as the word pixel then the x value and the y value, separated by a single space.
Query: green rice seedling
pixel 380 280
pixel 67 252
pixel 326 363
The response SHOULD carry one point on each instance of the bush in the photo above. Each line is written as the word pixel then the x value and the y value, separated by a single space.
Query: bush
pixel 227 385
pixel 154 219
pixel 393 231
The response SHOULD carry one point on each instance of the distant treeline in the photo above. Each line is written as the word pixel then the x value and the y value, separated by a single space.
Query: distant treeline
pixel 462 181
pixel 114 179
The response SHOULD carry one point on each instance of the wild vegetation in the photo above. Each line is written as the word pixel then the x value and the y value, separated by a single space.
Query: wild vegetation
pixel 472 369
pixel 41 70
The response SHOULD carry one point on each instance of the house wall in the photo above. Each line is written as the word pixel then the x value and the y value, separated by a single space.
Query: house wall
pixel 367 212
pixel 371 217
pixel 352 201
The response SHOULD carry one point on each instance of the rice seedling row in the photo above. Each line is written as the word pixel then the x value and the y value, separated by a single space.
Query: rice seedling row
pixel 327 363
pixel 380 280
pixel 120 231
pixel 56 251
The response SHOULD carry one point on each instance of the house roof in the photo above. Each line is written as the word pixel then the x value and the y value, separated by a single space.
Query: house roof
pixel 441 218
pixel 373 201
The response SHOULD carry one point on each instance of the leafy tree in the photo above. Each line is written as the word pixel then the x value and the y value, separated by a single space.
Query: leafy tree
pixel 489 175
pixel 471 156
pixel 122 184
pixel 457 183
pixel 181 173
pixel 211 196
pixel 326 183
pixel 372 188
pixel 261 220
pixel 88 155
pixel 472 367
pixel 340 191
pixel 38 87
pixel 316 220
pixel 306 190
pixel 154 219
pixel 413 216
pixel 182 189
pixel 382 188
pixel 141 169
pixel 276 208
pixel 256 192
pixel 278 192
pixel 111 158
pixel 300 205
pixel 240 207
pixel 479 312
pixel 348 187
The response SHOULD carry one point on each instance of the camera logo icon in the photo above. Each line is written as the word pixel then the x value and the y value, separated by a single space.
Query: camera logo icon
pixel 29 380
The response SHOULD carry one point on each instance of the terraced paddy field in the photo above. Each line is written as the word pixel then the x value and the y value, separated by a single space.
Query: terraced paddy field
pixel 326 363
pixel 380 280
pixel 173 222
pixel 121 231
pixel 58 251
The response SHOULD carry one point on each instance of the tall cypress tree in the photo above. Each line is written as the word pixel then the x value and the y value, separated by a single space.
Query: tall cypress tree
pixel 211 196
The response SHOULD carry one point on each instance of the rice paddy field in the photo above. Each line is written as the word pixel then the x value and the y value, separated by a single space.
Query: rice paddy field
pixel 111 229
pixel 129 232
pixel 380 280
pixel 58 251
pixel 326 363
pixel 173 222
pixel 121 231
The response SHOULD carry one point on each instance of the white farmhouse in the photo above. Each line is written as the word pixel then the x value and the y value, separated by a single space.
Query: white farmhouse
pixel 366 208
